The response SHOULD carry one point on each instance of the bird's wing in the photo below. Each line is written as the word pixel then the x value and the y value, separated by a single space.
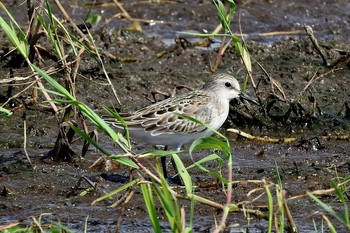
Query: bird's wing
pixel 162 118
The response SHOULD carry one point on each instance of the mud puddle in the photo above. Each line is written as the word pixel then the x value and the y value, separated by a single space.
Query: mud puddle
pixel 50 189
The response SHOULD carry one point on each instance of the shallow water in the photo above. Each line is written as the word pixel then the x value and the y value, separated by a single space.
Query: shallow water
pixel 329 19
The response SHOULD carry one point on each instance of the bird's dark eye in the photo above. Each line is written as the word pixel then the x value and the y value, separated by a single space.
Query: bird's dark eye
pixel 227 84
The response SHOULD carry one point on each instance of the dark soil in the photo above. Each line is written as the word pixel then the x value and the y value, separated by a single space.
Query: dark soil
pixel 148 69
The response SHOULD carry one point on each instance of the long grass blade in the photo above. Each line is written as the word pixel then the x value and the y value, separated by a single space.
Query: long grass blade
pixel 269 207
pixel 96 119
pixel 209 142
pixel 341 197
pixel 18 41
pixel 212 157
pixel 5 112
pixel 116 191
pixel 325 206
pixel 185 176
pixel 149 201
pixel 330 225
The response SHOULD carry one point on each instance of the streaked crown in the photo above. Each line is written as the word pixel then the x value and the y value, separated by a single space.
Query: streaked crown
pixel 224 86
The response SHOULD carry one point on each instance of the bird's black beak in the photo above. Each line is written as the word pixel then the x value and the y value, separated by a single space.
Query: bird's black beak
pixel 247 97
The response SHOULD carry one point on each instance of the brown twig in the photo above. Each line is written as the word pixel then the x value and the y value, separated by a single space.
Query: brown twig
pixel 126 15
pixel 25 138
pixel 262 139
pixel 313 79
pixel 223 47
pixel 288 213
pixel 122 210
pixel 274 83
pixel 310 33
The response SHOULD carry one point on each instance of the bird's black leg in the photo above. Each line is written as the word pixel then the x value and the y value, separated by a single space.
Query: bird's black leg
pixel 176 179
pixel 163 160
pixel 173 180
pixel 175 168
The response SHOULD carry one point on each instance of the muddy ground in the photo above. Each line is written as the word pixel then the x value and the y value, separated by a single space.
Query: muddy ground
pixel 147 63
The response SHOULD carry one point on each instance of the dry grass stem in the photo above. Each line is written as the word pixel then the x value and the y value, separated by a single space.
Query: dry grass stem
pixel 260 139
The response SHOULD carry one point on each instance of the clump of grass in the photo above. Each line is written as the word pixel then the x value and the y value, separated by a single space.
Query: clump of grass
pixel 38 224
pixel 341 189
pixel 226 17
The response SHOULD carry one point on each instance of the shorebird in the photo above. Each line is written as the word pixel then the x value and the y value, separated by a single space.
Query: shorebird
pixel 161 123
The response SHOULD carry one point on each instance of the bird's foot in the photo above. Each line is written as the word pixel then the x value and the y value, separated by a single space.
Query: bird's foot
pixel 175 180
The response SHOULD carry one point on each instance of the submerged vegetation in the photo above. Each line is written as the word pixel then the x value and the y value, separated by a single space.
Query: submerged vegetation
pixel 162 201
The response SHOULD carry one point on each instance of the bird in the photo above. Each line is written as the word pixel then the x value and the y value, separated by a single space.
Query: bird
pixel 162 123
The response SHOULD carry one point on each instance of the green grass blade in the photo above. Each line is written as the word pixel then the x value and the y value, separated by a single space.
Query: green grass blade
pixel 326 207
pixel 121 120
pixel 330 225
pixel 280 201
pixel 5 112
pixel 147 196
pixel 192 208
pixel 52 29
pixel 122 160
pixel 166 199
pixel 185 176
pixel 215 174
pixel 93 19
pixel 158 153
pixel 18 41
pixel 341 197
pixel 222 15
pixel 92 116
pixel 116 191
pixel 231 11
pixel 97 120
pixel 20 45
pixel 206 159
pixel 89 139
pixel 279 181
pixel 209 142
pixel 53 83
pixel 269 207
pixel 57 227
pixel 86 224
pixel 244 54
pixel 201 123
pixel 198 164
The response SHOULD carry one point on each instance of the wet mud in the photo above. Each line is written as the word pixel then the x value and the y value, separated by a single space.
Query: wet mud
pixel 148 68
